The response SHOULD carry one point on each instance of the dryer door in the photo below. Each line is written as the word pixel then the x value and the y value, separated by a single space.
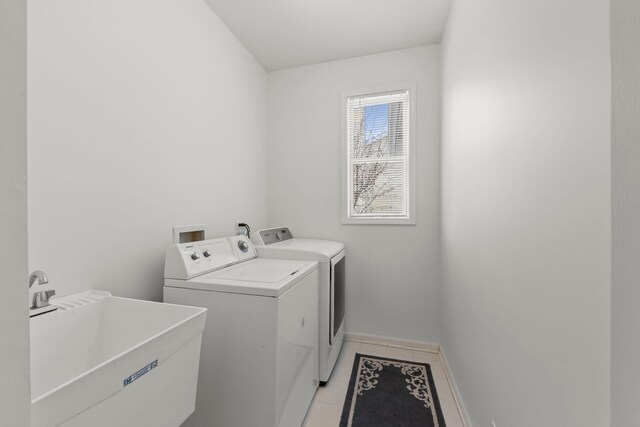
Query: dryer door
pixel 337 294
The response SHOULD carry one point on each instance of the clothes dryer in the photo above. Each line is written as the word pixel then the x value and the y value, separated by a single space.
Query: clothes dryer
pixel 278 242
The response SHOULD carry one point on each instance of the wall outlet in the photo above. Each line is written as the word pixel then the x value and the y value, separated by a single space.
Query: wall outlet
pixel 239 228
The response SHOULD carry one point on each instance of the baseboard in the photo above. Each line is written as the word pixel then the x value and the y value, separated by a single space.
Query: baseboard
pixel 393 342
pixel 462 410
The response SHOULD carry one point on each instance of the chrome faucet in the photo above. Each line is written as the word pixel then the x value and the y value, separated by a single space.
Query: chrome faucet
pixel 40 276
pixel 41 298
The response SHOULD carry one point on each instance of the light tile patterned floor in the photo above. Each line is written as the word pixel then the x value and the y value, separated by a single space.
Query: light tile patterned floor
pixel 326 408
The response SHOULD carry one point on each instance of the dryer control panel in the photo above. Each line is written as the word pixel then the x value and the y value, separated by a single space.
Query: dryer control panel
pixel 188 260
pixel 271 235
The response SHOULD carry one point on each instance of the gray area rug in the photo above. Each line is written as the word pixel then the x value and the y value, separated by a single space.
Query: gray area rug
pixel 391 393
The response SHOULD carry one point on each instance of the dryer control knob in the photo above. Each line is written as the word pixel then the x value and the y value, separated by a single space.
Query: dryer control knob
pixel 195 256
pixel 206 253
pixel 244 246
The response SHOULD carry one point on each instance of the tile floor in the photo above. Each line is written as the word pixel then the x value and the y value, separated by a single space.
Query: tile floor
pixel 326 407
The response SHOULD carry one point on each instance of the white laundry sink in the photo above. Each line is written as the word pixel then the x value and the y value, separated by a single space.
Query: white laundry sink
pixel 101 360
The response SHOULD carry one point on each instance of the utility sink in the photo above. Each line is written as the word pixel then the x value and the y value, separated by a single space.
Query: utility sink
pixel 100 360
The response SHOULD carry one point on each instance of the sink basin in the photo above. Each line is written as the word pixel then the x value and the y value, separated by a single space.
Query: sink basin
pixel 101 360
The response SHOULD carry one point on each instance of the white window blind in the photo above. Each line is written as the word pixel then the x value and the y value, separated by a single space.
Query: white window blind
pixel 378 155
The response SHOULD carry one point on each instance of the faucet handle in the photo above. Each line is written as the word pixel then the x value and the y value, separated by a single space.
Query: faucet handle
pixel 41 298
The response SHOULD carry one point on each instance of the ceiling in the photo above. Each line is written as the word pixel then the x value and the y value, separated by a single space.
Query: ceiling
pixel 291 33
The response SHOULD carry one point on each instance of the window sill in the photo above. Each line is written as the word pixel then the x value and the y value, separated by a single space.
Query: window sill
pixel 378 221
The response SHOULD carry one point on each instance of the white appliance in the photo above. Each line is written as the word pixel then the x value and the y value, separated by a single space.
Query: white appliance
pixel 259 361
pixel 279 243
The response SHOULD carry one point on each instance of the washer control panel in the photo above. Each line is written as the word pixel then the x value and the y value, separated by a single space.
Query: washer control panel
pixel 188 260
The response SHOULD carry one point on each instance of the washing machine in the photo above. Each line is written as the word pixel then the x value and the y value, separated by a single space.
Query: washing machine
pixel 278 242
pixel 259 360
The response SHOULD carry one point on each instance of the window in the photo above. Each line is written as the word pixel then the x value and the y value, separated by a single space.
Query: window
pixel 378 164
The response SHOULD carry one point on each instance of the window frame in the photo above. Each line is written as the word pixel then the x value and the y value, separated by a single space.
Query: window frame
pixel 410 219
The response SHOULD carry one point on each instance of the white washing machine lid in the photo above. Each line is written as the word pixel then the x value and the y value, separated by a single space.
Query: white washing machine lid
pixel 259 276
pixel 312 249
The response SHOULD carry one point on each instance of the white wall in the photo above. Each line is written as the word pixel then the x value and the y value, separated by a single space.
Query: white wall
pixel 392 271
pixel 143 115
pixel 14 325
pixel 526 210
pixel 625 373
